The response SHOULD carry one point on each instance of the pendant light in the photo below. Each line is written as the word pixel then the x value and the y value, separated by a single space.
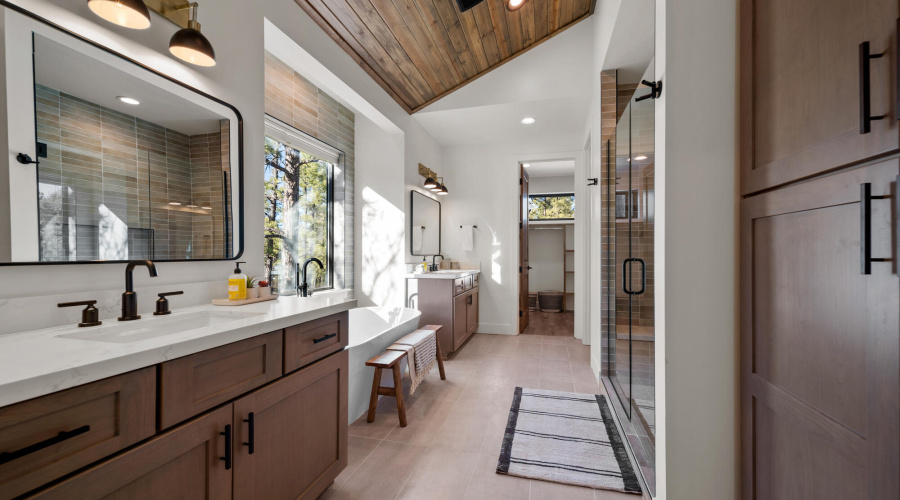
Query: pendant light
pixel 437 185
pixel 128 13
pixel 190 45
pixel 430 183
pixel 443 191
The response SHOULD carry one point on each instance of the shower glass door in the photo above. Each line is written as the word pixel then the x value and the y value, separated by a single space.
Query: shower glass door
pixel 629 196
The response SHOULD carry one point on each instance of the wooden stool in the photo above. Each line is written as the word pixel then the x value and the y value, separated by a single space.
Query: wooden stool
pixel 387 359
pixel 391 359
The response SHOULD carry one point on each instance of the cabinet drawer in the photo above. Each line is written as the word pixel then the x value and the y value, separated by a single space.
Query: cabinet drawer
pixel 313 340
pixel 48 437
pixel 475 280
pixel 185 462
pixel 469 282
pixel 459 286
pixel 198 382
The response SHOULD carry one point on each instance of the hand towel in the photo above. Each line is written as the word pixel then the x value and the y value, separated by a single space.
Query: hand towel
pixel 421 354
pixel 468 238
pixel 417 237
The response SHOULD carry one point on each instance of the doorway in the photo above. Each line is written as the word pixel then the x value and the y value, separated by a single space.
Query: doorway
pixel 547 253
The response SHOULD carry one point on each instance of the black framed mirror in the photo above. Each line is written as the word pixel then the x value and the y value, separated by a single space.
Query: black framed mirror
pixel 424 225
pixel 110 160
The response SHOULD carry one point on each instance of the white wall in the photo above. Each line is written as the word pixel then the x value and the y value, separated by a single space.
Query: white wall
pixel 696 250
pixel 237 32
pixel 552 185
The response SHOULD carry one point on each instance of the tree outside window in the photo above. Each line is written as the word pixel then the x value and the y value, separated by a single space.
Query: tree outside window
pixel 297 215
pixel 551 207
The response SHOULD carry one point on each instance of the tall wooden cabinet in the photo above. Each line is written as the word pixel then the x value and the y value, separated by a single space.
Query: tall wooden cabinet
pixel 820 322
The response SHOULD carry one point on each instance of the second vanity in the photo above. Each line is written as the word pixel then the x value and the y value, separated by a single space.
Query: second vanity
pixel 449 298
pixel 246 402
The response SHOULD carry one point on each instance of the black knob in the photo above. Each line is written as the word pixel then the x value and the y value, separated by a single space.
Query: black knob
pixel 162 305
pixel 90 316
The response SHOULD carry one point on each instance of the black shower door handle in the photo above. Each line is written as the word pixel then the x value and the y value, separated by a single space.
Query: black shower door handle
pixel 626 275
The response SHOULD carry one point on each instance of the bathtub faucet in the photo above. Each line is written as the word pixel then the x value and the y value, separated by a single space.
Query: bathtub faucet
pixel 303 289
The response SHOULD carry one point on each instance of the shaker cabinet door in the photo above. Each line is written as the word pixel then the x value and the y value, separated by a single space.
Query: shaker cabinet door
pixel 820 373
pixel 802 87
pixel 297 427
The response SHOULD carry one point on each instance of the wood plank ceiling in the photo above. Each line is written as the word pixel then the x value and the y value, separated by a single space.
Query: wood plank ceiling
pixel 420 50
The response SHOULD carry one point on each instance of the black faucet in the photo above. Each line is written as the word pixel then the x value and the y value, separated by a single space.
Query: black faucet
pixel 434 266
pixel 303 289
pixel 129 298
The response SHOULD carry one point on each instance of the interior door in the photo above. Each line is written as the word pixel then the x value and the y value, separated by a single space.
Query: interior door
pixel 820 339
pixel 298 433
pixel 524 268
pixel 801 66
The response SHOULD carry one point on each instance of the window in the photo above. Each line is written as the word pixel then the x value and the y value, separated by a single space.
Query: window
pixel 299 221
pixel 626 199
pixel 551 207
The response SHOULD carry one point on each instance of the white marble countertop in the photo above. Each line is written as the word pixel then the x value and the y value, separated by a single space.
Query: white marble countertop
pixel 444 274
pixel 38 362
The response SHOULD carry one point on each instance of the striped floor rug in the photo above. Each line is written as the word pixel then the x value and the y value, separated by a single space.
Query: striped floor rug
pixel 566 438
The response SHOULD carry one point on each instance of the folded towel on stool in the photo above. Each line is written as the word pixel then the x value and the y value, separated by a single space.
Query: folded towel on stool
pixel 421 354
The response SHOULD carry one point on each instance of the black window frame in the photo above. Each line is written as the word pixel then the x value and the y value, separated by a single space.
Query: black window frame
pixel 550 195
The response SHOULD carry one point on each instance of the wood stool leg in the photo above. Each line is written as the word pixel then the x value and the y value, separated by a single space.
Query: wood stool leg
pixel 373 402
pixel 398 390
pixel 440 359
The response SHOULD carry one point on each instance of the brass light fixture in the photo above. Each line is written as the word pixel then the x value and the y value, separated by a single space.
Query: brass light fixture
pixel 443 191
pixel 430 183
pixel 128 13
pixel 189 45
pixel 433 182
pixel 437 185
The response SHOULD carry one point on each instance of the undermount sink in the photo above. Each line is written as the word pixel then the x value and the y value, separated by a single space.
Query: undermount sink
pixel 154 327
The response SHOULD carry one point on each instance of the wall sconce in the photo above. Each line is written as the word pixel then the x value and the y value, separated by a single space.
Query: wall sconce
pixel 189 45
pixel 132 14
pixel 431 181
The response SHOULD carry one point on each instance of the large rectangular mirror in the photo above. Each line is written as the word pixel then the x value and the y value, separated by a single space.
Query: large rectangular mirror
pixel 425 225
pixel 130 164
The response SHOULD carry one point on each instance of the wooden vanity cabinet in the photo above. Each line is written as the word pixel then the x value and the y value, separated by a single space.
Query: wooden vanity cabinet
pixel 186 462
pixel 48 437
pixel 452 303
pixel 299 433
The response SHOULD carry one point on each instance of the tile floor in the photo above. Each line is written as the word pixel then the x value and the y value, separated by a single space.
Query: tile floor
pixel 450 448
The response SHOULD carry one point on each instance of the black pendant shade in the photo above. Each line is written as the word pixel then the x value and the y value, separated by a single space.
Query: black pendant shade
pixel 128 13
pixel 430 183
pixel 190 45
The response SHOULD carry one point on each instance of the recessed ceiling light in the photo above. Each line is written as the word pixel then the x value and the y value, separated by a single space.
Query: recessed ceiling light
pixel 526 165
pixel 192 206
pixel 514 4
pixel 128 100
pixel 528 120
pixel 640 157
pixel 206 208
pixel 174 203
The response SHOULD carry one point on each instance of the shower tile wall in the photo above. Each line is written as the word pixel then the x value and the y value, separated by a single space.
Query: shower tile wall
pixel 609 116
pixel 105 160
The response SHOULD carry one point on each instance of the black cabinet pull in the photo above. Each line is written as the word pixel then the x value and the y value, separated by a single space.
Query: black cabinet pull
pixel 9 456
pixel 251 440
pixel 865 228
pixel 865 94
pixel 323 339
pixel 228 454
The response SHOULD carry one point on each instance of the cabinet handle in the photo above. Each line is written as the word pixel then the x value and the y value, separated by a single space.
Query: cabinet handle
pixel 251 440
pixel 865 95
pixel 865 227
pixel 323 339
pixel 228 455
pixel 9 456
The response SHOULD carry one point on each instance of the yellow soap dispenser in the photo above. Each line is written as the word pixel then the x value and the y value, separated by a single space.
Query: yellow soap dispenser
pixel 237 284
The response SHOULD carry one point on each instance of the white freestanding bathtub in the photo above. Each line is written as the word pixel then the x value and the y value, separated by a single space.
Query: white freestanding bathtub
pixel 372 330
